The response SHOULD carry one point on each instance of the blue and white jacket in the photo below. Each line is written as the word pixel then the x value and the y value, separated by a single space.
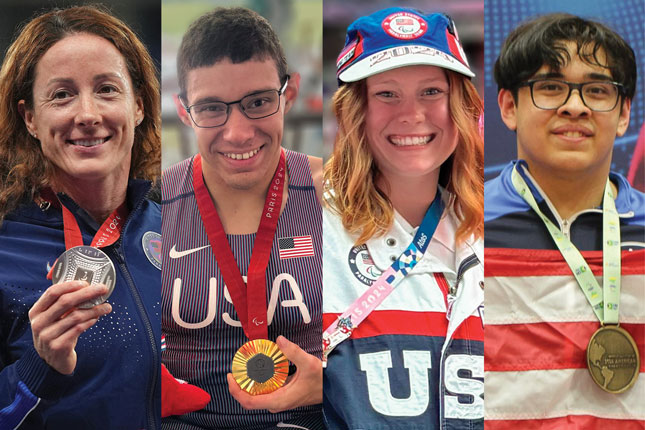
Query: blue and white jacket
pixel 417 361
pixel 115 384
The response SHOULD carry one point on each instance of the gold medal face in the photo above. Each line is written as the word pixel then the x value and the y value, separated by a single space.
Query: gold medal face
pixel 259 367
pixel 612 359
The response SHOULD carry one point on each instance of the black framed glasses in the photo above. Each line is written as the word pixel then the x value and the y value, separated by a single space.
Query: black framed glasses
pixel 599 96
pixel 254 106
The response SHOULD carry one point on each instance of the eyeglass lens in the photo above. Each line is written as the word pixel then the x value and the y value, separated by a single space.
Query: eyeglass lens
pixel 254 106
pixel 597 96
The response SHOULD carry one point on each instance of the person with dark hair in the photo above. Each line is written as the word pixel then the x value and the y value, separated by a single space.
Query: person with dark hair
pixel 402 227
pixel 241 280
pixel 564 236
pixel 80 149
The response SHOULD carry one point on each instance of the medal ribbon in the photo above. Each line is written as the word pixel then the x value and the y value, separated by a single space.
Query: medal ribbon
pixel 386 283
pixel 249 300
pixel 108 233
pixel 604 301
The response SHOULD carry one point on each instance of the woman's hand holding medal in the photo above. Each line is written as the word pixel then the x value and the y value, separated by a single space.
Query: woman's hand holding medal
pixel 302 389
pixel 57 321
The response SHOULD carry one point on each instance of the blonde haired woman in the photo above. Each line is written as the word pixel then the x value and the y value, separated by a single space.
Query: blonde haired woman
pixel 403 290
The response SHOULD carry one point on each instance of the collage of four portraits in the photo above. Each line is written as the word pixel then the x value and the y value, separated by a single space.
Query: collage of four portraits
pixel 321 214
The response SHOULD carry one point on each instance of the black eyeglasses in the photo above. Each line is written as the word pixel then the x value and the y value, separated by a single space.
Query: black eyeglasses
pixel 254 106
pixel 599 96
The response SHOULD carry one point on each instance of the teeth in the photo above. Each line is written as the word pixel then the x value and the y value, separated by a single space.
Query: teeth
pixel 244 156
pixel 573 134
pixel 87 143
pixel 408 141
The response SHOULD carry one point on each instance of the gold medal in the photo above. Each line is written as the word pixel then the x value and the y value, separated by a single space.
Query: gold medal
pixel 612 359
pixel 259 367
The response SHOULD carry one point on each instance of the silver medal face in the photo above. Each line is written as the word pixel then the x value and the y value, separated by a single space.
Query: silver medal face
pixel 86 263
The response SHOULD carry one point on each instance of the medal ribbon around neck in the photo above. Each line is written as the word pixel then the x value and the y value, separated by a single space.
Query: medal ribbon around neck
pixel 107 234
pixel 249 300
pixel 386 283
pixel 605 300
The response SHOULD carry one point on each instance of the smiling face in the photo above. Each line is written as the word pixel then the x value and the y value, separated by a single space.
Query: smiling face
pixel 408 124
pixel 84 109
pixel 242 153
pixel 572 139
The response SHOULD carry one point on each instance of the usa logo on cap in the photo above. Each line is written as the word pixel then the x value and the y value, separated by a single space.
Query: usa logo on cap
pixel 405 25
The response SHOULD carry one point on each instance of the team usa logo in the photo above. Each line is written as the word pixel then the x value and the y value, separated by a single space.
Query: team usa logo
pixel 362 265
pixel 151 244
pixel 405 25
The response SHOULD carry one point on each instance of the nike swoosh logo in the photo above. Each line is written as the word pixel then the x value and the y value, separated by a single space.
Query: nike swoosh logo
pixel 291 426
pixel 178 254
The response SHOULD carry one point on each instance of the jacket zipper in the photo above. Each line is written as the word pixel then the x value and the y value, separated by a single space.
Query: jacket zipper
pixel 466 264
pixel 142 311
pixel 146 322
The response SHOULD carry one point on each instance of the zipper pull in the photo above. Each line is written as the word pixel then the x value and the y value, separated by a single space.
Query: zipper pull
pixel 565 228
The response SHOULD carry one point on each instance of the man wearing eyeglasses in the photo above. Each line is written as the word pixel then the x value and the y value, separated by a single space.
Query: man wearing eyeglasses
pixel 564 236
pixel 242 234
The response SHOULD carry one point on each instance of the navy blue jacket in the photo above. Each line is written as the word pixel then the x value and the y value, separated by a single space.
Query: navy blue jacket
pixel 115 384
pixel 509 222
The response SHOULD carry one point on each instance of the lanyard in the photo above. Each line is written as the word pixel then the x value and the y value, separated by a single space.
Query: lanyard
pixel 386 283
pixel 609 294
pixel 249 300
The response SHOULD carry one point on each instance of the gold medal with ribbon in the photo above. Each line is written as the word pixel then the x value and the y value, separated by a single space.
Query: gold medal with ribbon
pixel 259 367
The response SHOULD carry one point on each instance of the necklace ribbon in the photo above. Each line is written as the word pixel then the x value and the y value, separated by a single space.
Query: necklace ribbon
pixel 605 300
pixel 249 299
pixel 107 234
pixel 359 310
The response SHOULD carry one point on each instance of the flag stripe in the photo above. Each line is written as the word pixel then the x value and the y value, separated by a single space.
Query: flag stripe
pixel 546 394
pixel 571 422
pixel 546 345
pixel 539 262
pixel 531 299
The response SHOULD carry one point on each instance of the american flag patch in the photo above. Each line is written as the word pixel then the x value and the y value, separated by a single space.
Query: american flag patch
pixel 163 342
pixel 294 247
pixel 404 21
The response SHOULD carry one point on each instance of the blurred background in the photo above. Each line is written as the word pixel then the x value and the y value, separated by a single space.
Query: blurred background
pixel 626 17
pixel 299 27
pixel 338 14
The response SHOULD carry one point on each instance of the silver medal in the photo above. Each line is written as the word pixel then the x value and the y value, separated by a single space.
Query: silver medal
pixel 86 263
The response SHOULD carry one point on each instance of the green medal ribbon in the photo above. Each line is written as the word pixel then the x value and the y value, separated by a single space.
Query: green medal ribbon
pixel 607 313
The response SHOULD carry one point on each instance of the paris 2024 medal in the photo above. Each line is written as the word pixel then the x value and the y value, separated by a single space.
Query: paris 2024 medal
pixel 259 367
pixel 613 359
pixel 86 263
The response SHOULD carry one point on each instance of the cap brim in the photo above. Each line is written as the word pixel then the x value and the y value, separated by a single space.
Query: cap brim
pixel 366 67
